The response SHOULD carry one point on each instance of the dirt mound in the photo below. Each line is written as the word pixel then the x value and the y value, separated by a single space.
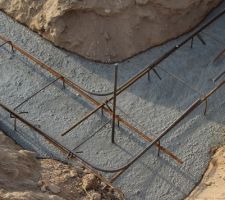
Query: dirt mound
pixel 109 31
pixel 213 183
pixel 23 177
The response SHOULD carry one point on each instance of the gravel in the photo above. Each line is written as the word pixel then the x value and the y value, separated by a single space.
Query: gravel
pixel 151 105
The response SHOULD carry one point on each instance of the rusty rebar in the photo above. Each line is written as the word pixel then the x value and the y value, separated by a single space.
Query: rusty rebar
pixel 219 76
pixel 8 42
pixel 124 87
pixel 219 55
pixel 114 104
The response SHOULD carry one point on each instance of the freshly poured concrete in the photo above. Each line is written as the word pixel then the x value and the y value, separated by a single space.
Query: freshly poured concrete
pixel 152 106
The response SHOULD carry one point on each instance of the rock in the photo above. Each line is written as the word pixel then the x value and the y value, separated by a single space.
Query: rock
pixel 103 185
pixel 20 195
pixel 28 153
pixel 96 196
pixel 73 174
pixel 65 170
pixel 86 171
pixel 24 177
pixel 209 183
pixel 43 188
pixel 79 170
pixel 55 198
pixel 111 190
pixel 66 176
pixel 109 31
pixel 29 183
pixel 54 188
pixel 89 181
pixel 40 183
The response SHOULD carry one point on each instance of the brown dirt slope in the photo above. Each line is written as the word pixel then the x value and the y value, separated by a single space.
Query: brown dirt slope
pixel 108 30
pixel 212 185
pixel 23 177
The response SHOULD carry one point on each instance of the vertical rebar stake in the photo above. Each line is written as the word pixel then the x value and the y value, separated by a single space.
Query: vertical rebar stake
pixel 114 103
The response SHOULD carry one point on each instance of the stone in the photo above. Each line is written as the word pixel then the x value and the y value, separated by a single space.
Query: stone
pixel 54 188
pixel 109 31
pixel 65 170
pixel 79 170
pixel 43 188
pixel 66 177
pixel 89 181
pixel 24 177
pixel 86 171
pixel 103 185
pixel 40 183
pixel 73 174
pixel 208 183
pixel 96 196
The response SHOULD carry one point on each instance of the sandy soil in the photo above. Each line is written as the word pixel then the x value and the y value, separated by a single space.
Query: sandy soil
pixel 23 177
pixel 109 31
pixel 212 186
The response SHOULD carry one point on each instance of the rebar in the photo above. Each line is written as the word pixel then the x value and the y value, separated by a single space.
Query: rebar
pixel 131 81
pixel 8 42
pixel 219 76
pixel 114 104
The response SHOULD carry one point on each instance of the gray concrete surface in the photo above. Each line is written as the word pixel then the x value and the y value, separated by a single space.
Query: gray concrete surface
pixel 152 106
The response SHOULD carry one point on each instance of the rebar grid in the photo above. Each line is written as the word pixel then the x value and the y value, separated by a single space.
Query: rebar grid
pixel 104 106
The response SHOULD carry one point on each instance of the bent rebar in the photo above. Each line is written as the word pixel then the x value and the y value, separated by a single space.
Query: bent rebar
pixel 124 167
pixel 8 42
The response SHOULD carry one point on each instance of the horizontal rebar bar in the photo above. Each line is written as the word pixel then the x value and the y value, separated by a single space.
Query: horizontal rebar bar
pixel 219 76
pixel 219 55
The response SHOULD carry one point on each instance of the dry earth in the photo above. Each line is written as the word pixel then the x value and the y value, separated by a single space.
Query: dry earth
pixel 108 31
pixel 212 186
pixel 23 177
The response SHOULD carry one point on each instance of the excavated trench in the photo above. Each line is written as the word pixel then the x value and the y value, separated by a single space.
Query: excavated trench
pixel 150 105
